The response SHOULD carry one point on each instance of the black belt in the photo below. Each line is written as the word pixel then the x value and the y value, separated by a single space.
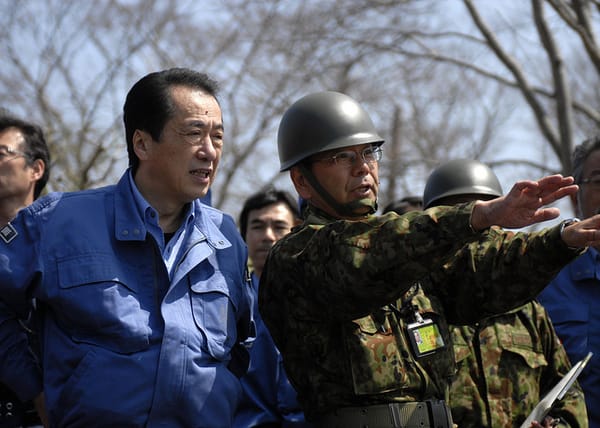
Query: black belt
pixel 421 414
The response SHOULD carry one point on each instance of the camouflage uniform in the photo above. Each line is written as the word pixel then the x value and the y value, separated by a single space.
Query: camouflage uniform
pixel 332 296
pixel 506 364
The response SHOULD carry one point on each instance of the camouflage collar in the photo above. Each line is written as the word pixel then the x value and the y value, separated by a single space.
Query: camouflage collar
pixel 316 216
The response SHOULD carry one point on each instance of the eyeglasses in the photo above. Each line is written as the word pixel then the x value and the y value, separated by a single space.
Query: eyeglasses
pixel 348 158
pixel 6 154
pixel 592 181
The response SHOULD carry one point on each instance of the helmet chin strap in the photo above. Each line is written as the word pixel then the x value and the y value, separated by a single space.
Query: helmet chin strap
pixel 354 209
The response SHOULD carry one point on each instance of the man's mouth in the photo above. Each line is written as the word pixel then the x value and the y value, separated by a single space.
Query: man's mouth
pixel 364 188
pixel 203 173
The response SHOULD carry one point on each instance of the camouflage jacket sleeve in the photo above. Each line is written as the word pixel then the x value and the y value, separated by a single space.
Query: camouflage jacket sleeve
pixel 497 272
pixel 350 268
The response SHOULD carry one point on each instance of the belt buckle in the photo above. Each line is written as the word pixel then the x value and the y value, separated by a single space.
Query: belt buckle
pixel 412 414
pixel 396 417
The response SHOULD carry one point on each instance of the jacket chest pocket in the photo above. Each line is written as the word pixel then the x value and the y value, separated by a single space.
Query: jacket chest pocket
pixel 376 362
pixel 518 343
pixel 98 303
pixel 214 311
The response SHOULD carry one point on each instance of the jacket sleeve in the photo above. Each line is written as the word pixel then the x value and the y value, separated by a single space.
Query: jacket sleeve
pixel 350 268
pixel 498 272
pixel 19 270
pixel 571 409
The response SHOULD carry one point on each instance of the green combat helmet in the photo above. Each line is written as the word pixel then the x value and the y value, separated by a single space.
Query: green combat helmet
pixel 319 122
pixel 461 177
pixel 322 121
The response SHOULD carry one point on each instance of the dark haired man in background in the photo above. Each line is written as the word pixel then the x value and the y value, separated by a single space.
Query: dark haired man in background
pixel 269 399
pixel 24 172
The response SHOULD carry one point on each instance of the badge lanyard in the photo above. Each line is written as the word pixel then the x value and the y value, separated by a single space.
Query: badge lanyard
pixel 423 333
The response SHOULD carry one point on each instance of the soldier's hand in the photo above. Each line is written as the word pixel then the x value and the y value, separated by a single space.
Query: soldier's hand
pixel 549 422
pixel 524 204
pixel 582 233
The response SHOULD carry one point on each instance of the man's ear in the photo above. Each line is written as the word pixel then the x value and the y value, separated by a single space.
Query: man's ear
pixel 37 169
pixel 142 144
pixel 301 184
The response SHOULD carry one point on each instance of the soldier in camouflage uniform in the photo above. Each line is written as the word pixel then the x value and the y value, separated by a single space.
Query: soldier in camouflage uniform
pixel 508 362
pixel 361 343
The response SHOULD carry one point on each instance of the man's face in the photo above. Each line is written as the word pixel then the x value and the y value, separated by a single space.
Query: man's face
pixel 588 197
pixel 266 226
pixel 344 182
pixel 184 161
pixel 17 178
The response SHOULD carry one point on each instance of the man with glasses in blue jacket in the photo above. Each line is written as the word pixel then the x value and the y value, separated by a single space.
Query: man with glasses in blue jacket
pixel 24 172
pixel 572 296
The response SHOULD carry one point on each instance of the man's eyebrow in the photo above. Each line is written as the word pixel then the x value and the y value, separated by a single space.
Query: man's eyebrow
pixel 199 123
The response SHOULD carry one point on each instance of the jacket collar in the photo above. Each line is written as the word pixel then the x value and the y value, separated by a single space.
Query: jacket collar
pixel 130 224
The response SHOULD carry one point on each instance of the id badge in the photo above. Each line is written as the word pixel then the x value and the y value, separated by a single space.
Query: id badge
pixel 425 337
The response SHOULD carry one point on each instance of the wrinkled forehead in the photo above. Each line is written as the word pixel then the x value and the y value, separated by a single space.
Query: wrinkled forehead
pixel 190 100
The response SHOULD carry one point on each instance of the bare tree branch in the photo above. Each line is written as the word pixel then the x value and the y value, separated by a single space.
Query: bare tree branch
pixel 540 115
pixel 564 146
pixel 577 16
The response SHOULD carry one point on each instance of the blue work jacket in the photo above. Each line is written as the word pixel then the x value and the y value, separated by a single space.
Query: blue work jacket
pixel 572 301
pixel 124 342
pixel 268 396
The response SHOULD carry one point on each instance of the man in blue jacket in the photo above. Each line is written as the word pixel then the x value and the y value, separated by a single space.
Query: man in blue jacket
pixel 573 295
pixel 142 289
pixel 269 400
pixel 24 172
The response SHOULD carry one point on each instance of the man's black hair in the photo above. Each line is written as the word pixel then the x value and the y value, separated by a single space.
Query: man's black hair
pixel 149 104
pixel 262 199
